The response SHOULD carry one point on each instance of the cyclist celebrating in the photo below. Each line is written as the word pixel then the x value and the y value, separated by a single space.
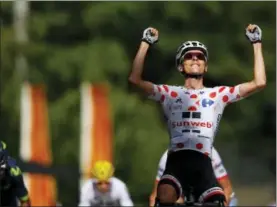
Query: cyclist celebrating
pixel 193 113
pixel 104 189
pixel 12 187
pixel 219 171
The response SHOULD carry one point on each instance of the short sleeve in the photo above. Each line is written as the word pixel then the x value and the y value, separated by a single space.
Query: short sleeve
pixel 229 94
pixel 125 198
pixel 86 194
pixel 162 92
pixel 218 167
pixel 162 165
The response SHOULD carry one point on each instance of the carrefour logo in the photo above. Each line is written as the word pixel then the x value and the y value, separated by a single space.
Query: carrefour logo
pixel 207 102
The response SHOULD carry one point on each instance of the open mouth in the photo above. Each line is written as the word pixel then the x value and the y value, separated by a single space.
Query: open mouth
pixel 194 65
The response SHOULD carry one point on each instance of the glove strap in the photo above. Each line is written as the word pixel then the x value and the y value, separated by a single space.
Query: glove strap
pixel 145 40
pixel 257 41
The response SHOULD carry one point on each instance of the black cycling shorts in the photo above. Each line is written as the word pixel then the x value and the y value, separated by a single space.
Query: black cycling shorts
pixel 187 169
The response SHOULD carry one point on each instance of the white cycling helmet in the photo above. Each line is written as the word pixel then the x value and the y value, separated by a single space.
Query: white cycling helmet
pixel 187 46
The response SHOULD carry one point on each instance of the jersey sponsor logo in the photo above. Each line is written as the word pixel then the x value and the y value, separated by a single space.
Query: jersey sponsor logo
pixel 217 122
pixel 201 136
pixel 202 92
pixel 179 100
pixel 221 171
pixel 192 124
pixel 15 171
pixel 176 107
pixel 218 165
pixel 160 171
pixel 207 102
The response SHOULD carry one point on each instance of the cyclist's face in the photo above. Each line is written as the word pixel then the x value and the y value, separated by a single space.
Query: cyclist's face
pixel 103 186
pixel 194 62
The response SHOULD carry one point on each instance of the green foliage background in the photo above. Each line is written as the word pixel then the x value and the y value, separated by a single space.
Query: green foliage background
pixel 71 42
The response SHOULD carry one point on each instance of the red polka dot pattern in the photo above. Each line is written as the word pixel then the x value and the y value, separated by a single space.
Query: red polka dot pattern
pixel 162 98
pixel 199 146
pixel 159 89
pixel 212 95
pixel 174 94
pixel 232 89
pixel 222 89
pixel 225 98
pixel 165 88
pixel 192 108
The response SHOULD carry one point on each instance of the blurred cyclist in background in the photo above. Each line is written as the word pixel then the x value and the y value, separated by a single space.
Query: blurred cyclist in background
pixel 104 189
pixel 219 171
pixel 12 187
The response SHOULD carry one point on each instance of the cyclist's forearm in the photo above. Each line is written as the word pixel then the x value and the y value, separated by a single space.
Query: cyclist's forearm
pixel 259 80
pixel 259 66
pixel 228 193
pixel 227 188
pixel 135 76
pixel 152 199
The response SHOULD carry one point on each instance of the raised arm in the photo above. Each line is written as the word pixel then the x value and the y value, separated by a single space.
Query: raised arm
pixel 254 34
pixel 150 36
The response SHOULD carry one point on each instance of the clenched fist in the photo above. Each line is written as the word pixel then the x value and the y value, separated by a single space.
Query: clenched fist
pixel 253 33
pixel 150 35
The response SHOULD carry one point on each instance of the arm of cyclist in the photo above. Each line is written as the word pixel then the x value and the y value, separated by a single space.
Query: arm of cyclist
pixel 21 190
pixel 160 172
pixel 236 93
pixel 254 34
pixel 150 36
pixel 225 183
pixel 222 176
pixel 86 194
pixel 125 199
pixel 152 197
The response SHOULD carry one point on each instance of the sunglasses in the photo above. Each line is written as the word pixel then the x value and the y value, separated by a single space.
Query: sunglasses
pixel 190 55
pixel 102 183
